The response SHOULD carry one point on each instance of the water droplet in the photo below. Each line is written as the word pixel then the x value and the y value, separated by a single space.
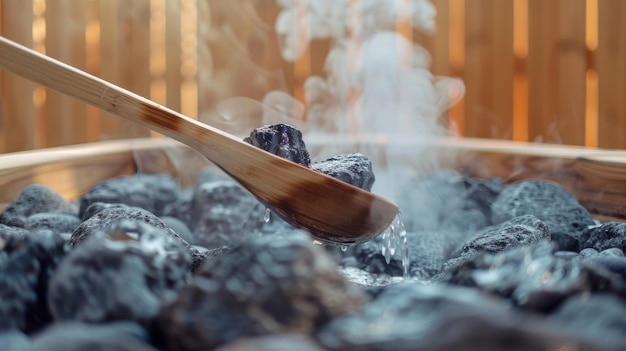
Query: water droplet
pixel 266 216
pixel 394 240
pixel 343 248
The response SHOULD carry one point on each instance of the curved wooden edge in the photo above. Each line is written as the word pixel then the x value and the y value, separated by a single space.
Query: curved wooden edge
pixel 73 170
pixel 596 177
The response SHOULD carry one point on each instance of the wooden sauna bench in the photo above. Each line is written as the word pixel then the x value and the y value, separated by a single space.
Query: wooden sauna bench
pixel 596 177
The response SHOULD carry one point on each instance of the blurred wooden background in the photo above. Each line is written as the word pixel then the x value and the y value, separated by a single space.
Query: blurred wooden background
pixel 535 70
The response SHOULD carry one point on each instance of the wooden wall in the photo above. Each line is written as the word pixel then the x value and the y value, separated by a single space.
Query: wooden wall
pixel 535 70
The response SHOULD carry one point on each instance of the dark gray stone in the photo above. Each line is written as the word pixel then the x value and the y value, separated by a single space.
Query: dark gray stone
pixel 180 228
pixel 606 236
pixel 427 254
pixel 56 222
pixel 402 316
pixel 121 273
pixel 29 261
pixel 549 202
pixel 282 140
pixel 34 199
pixel 8 232
pixel 267 285
pixel 532 277
pixel 13 340
pixel 104 219
pixel 223 213
pixel 96 207
pixel 596 316
pixel 76 336
pixel 151 192
pixel 355 169
pixel 518 231
pixel 279 342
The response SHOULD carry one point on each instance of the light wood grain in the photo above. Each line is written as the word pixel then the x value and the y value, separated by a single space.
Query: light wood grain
pixel 489 63
pixel 611 68
pixel 19 114
pixel 333 211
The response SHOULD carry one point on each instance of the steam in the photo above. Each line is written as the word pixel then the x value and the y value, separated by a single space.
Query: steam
pixel 377 92
pixel 377 85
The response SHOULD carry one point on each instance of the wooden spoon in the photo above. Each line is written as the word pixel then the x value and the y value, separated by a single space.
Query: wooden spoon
pixel 333 211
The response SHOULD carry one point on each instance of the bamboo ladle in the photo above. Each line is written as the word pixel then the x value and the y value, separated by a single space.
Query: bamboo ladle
pixel 333 211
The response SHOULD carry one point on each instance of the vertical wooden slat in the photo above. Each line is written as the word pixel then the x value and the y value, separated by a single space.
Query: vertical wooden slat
pixel 437 43
pixel 109 56
pixel 542 69
pixel 456 45
pixel 489 68
pixel 172 54
pixel 124 31
pixel 557 69
pixel 2 97
pixel 19 112
pixel 66 120
pixel 92 65
pixel 572 59
pixel 611 68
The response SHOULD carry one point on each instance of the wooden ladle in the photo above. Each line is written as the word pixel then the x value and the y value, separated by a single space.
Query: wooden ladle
pixel 333 211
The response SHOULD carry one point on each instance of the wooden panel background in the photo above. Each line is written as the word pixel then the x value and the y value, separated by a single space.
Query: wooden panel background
pixel 535 70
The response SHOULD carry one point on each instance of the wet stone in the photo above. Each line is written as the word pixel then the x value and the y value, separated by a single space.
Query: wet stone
pixel 151 192
pixel 124 272
pixel 532 277
pixel 282 140
pixel 34 199
pixel 515 232
pixel 56 222
pixel 355 169
pixel 25 272
pixel 606 236
pixel 549 202
pixel 104 219
pixel 77 336
pixel 427 254
pixel 269 284
pixel 222 213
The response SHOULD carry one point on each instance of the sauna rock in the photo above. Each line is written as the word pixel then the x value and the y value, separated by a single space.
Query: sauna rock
pixel 102 220
pixel 355 169
pixel 547 279
pixel 596 316
pixel 282 140
pixel 519 231
pixel 13 339
pixel 148 191
pixel 402 316
pixel 26 266
pixel 56 222
pixel 77 336
pixel 549 202
pixel 605 236
pixel 127 268
pixel 34 199
pixel 286 141
pixel 279 342
pixel 287 285
pixel 223 212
